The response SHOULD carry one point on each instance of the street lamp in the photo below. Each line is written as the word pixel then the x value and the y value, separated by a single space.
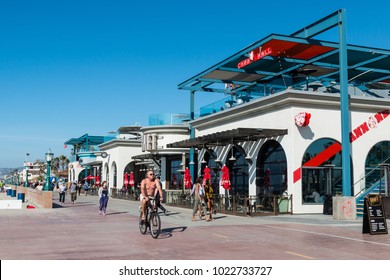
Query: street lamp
pixel 49 157
pixel 26 182
pixel 26 165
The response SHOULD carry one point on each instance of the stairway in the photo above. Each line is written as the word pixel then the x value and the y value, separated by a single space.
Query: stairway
pixel 374 189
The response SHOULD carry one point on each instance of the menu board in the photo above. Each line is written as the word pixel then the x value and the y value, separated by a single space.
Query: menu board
pixel 374 219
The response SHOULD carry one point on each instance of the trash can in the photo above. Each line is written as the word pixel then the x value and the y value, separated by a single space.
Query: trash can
pixel 9 192
pixel 283 205
pixel 13 193
pixel 21 197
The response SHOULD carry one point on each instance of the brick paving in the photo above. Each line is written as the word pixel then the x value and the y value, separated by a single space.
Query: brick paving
pixel 78 232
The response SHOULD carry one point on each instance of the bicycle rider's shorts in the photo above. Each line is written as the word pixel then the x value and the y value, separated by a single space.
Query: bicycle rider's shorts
pixel 141 197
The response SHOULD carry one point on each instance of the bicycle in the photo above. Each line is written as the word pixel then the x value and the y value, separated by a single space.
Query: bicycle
pixel 152 221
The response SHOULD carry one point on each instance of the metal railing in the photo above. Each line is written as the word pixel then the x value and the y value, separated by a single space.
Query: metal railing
pixel 237 204
pixel 362 190
pixel 241 205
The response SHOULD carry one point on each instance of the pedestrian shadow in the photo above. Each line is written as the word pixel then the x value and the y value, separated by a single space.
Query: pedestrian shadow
pixel 116 213
pixel 168 213
pixel 219 217
pixel 168 232
pixel 67 204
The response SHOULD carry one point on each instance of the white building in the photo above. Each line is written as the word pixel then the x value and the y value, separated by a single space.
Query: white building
pixel 264 135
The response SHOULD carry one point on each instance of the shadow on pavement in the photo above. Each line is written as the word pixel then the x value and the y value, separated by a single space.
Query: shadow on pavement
pixel 168 213
pixel 168 232
pixel 67 204
pixel 116 213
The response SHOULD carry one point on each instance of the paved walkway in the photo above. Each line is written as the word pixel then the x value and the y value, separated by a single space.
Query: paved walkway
pixel 77 231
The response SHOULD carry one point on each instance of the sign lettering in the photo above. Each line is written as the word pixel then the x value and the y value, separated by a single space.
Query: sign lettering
pixel 254 56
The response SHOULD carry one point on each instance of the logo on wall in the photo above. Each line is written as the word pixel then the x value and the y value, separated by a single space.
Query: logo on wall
pixel 302 119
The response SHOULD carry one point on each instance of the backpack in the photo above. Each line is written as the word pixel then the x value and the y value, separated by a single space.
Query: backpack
pixel 201 191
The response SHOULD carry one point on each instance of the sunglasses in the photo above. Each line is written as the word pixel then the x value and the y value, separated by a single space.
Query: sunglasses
pixel 150 174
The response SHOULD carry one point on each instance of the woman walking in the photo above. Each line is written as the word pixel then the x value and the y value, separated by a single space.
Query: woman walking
pixel 209 199
pixel 103 198
pixel 198 199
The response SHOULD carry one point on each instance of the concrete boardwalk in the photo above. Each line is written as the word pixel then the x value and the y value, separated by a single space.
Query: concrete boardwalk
pixel 77 231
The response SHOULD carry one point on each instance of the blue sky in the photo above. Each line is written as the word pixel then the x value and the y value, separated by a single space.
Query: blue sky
pixel 73 67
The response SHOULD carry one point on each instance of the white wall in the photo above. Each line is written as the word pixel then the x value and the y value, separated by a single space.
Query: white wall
pixel 278 111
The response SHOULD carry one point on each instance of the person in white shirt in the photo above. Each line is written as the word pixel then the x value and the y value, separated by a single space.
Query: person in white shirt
pixel 62 190
pixel 315 196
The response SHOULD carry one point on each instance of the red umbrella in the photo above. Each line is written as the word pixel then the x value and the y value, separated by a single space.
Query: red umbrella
pixel 97 180
pixel 187 179
pixel 131 182
pixel 126 180
pixel 89 177
pixel 225 180
pixel 206 174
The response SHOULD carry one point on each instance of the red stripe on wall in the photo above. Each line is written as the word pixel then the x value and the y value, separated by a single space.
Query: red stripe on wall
pixel 318 159
pixel 324 155
pixel 297 175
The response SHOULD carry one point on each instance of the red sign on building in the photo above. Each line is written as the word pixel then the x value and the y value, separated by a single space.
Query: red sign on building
pixel 254 56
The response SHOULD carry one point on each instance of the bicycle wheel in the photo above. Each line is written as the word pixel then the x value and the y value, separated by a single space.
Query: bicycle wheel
pixel 155 224
pixel 143 226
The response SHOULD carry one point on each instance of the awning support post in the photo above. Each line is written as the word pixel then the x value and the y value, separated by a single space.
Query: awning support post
pixel 344 104
pixel 192 134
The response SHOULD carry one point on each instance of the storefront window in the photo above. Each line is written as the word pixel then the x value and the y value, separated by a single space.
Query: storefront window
pixel 238 169
pixel 271 169
pixel 380 153
pixel 324 179
pixel 176 177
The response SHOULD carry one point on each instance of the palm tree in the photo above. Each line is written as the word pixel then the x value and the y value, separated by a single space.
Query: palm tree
pixel 63 162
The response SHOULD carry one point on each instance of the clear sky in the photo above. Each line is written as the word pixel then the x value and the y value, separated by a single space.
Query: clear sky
pixel 90 66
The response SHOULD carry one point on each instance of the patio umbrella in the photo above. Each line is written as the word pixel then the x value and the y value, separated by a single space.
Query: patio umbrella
pixel 131 182
pixel 126 179
pixel 187 179
pixel 225 179
pixel 97 180
pixel 206 174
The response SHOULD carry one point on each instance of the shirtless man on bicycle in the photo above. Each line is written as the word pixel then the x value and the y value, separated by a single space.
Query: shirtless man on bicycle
pixel 149 187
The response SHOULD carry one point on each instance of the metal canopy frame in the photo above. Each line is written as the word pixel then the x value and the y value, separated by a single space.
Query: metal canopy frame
pixel 276 58
pixel 297 54
pixel 228 137
pixel 87 140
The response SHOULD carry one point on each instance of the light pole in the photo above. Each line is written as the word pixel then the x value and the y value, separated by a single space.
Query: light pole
pixel 49 157
pixel 26 165
pixel 26 182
